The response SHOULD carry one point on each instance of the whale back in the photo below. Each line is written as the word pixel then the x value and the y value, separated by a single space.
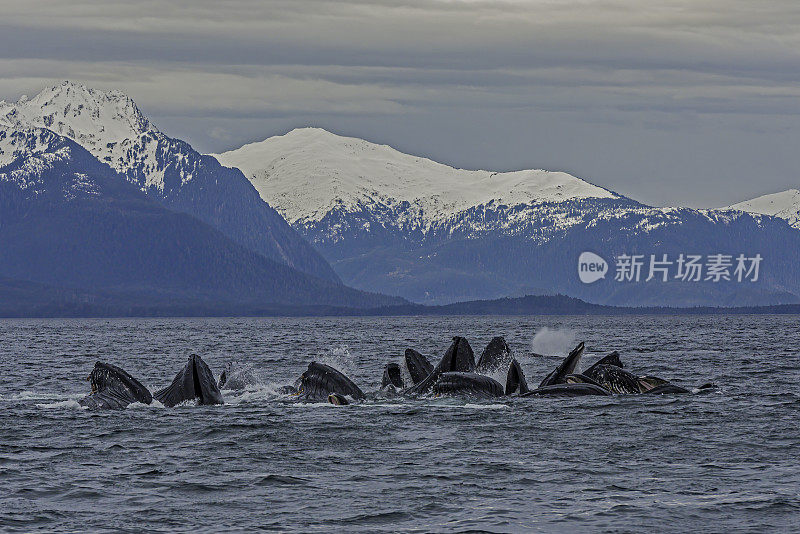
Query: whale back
pixel 194 381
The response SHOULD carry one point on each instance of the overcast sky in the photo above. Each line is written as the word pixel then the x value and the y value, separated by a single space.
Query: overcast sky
pixel 680 102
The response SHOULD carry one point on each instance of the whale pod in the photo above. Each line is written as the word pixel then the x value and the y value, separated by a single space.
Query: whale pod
pixel 113 389
pixel 194 381
pixel 469 384
pixel 319 381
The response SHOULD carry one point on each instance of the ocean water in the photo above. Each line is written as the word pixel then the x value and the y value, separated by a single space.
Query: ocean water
pixel 720 462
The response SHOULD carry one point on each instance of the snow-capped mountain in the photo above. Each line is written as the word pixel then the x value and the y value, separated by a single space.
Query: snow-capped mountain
pixel 406 225
pixel 311 175
pixel 113 129
pixel 785 205
pixel 72 223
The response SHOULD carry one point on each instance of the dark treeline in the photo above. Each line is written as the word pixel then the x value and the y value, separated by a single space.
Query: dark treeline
pixel 27 299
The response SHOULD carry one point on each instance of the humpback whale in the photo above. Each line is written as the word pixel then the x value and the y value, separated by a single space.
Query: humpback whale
pixel 515 381
pixel 565 368
pixel 609 374
pixel 418 366
pixel 496 353
pixel 470 384
pixel 194 381
pixel 392 376
pixel 113 389
pixel 611 359
pixel 459 358
pixel 319 381
pixel 614 379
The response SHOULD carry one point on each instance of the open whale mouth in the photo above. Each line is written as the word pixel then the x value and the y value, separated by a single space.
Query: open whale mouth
pixel 194 382
pixel 566 367
pixel 198 386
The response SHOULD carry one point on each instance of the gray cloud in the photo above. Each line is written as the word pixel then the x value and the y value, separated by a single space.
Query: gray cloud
pixel 669 102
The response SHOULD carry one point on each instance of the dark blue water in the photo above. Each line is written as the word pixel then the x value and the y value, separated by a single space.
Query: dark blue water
pixel 726 461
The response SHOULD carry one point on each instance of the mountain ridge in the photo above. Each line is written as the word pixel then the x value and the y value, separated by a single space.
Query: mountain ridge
pixel 69 221
pixel 783 204
pixel 113 129
pixel 405 225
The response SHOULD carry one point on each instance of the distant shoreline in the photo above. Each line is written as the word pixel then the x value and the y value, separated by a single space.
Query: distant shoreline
pixel 82 305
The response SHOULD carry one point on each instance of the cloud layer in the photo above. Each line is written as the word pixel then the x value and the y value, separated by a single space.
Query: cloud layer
pixel 669 102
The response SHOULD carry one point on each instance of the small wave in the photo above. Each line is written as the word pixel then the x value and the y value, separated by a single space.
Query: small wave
pixel 71 403
pixel 37 395
pixel 486 406
pixel 313 405
pixel 280 480
pixel 139 405
pixel 254 393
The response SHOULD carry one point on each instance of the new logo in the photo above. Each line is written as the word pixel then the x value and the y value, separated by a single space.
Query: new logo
pixel 591 267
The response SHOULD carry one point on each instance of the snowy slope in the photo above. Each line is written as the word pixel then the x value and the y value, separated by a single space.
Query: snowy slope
pixel 112 128
pixel 785 205
pixel 31 151
pixel 107 123
pixel 310 172
pixel 409 226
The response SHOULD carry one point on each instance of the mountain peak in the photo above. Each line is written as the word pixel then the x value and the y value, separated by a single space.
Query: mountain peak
pixel 83 114
pixel 784 204
pixel 308 172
